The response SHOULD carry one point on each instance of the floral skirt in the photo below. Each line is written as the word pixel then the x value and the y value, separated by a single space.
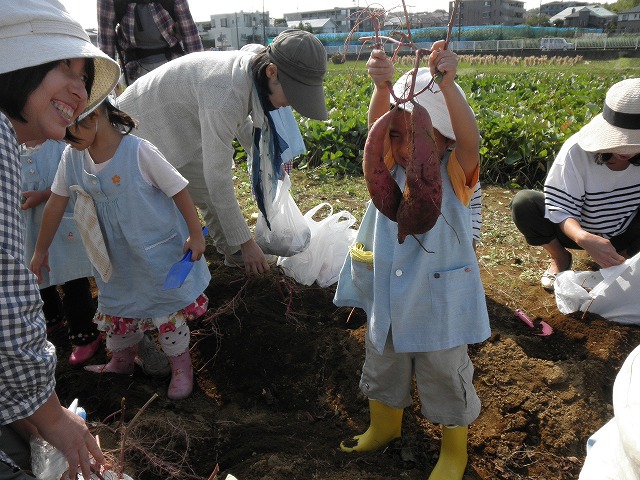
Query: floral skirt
pixel 164 324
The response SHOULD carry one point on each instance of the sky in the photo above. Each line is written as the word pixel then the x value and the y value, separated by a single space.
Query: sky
pixel 85 10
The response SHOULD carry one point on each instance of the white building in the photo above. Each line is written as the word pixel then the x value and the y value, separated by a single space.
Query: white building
pixel 231 31
pixel 318 25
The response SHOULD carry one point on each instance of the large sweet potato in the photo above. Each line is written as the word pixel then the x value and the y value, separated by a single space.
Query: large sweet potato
pixel 422 197
pixel 385 192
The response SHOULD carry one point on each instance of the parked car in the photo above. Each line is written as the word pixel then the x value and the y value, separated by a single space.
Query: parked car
pixel 555 44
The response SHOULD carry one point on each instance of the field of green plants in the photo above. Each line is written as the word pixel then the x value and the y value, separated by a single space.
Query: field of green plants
pixel 525 113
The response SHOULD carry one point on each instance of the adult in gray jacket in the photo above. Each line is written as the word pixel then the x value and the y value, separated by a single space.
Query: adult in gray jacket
pixel 192 109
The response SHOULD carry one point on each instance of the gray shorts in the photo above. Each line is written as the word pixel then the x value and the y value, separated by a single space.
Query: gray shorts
pixel 444 379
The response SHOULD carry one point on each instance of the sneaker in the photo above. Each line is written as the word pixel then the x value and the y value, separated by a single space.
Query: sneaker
pixel 151 359
pixel 548 278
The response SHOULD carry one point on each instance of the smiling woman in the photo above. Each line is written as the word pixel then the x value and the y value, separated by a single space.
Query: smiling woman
pixel 49 74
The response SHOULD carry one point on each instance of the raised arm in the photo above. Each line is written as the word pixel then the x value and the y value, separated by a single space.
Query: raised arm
pixel 380 69
pixel 462 117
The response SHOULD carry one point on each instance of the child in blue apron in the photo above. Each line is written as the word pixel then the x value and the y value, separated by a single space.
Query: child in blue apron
pixel 144 221
pixel 423 309
pixel 68 262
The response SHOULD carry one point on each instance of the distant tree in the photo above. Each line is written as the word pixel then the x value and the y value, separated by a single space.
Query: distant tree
pixel 306 26
pixel 534 21
pixel 280 22
pixel 622 5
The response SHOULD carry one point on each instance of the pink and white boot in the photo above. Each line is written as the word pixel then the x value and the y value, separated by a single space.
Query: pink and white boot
pixel 121 361
pixel 181 384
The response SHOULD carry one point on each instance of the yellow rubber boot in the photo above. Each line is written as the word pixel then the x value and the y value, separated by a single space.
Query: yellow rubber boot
pixel 453 455
pixel 385 425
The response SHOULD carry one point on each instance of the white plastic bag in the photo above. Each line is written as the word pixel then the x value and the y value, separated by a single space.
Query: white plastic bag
pixel 613 293
pixel 614 453
pixel 330 240
pixel 289 233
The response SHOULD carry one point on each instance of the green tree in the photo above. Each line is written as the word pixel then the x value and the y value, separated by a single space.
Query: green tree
pixel 622 5
pixel 306 26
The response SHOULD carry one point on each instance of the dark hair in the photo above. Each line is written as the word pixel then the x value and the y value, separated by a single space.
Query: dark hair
pixel 117 118
pixel 16 86
pixel 602 158
pixel 259 65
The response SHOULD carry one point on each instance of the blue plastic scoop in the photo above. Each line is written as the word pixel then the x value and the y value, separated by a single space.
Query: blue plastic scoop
pixel 180 270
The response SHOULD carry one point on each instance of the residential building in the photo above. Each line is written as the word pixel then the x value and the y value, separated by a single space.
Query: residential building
pixel 553 8
pixel 231 31
pixel 590 16
pixel 318 25
pixel 397 19
pixel 489 12
pixel 629 21
pixel 346 19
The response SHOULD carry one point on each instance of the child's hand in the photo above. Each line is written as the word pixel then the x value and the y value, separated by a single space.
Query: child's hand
pixel 38 262
pixel 33 198
pixel 443 61
pixel 196 244
pixel 380 68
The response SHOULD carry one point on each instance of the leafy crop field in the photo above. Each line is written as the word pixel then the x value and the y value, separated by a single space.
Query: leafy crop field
pixel 524 112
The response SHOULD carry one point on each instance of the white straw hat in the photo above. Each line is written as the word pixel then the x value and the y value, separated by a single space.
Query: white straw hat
pixel 432 100
pixel 617 128
pixel 35 32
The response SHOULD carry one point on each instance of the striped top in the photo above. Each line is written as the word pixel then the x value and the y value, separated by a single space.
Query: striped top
pixel 603 201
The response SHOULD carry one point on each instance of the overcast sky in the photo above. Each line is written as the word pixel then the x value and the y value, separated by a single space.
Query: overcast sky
pixel 85 10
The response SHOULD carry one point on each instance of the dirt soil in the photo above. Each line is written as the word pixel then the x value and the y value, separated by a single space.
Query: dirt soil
pixel 277 382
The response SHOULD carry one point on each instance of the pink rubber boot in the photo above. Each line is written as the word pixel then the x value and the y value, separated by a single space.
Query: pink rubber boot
pixel 82 353
pixel 121 361
pixel 181 384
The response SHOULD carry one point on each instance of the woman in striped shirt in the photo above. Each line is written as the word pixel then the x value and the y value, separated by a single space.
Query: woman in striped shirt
pixel 592 192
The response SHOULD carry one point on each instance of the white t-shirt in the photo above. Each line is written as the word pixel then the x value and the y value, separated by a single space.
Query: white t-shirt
pixel 154 168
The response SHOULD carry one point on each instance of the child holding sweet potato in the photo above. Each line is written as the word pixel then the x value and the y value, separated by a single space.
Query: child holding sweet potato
pixel 423 307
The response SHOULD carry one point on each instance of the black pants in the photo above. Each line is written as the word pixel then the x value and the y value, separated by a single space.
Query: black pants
pixel 527 212
pixel 76 305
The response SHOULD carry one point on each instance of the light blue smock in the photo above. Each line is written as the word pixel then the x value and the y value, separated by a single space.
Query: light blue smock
pixel 432 301
pixel 144 234
pixel 67 257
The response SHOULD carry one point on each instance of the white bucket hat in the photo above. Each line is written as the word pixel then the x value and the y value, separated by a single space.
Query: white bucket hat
pixel 35 32
pixel 432 100
pixel 617 128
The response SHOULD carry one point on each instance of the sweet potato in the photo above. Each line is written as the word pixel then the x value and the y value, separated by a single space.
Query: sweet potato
pixel 385 192
pixel 419 209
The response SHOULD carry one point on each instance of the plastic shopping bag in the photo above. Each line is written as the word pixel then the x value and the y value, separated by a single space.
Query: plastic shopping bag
pixel 613 293
pixel 323 259
pixel 289 233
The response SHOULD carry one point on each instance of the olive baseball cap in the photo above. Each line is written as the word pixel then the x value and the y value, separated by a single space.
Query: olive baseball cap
pixel 302 64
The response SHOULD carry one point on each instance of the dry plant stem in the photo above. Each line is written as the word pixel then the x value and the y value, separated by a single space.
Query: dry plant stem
pixel 214 474
pixel 123 407
pixel 125 430
pixel 451 20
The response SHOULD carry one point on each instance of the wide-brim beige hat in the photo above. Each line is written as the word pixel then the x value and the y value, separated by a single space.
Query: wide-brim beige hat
pixel 617 128
pixel 302 64
pixel 431 99
pixel 35 32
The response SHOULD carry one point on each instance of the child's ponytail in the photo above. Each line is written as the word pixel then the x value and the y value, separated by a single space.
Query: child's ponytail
pixel 118 118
